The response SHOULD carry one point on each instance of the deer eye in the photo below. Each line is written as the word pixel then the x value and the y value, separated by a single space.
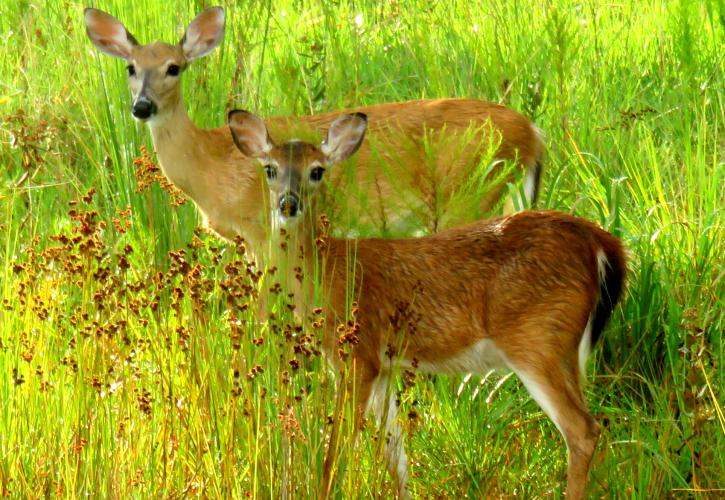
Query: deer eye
pixel 271 172
pixel 173 70
pixel 131 70
pixel 316 174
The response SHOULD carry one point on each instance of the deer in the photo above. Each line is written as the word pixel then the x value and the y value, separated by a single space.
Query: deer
pixel 530 292
pixel 224 183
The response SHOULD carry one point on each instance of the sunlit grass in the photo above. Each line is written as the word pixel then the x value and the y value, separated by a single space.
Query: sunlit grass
pixel 133 359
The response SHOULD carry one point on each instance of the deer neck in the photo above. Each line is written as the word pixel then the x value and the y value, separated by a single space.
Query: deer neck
pixel 179 146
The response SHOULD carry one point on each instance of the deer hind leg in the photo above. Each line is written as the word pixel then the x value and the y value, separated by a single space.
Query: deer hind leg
pixel 385 409
pixel 555 385
pixel 353 391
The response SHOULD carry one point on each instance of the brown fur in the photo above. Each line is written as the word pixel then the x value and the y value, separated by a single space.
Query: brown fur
pixel 225 185
pixel 524 286
pixel 528 282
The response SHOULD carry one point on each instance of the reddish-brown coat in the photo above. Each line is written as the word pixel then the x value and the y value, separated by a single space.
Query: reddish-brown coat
pixel 529 279
pixel 529 283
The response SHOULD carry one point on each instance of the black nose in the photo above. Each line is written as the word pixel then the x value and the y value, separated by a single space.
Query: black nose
pixel 289 205
pixel 143 108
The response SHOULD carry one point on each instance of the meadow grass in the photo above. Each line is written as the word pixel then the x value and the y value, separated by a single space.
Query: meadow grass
pixel 132 363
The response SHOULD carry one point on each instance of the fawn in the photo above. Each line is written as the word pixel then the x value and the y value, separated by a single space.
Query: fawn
pixel 224 183
pixel 530 292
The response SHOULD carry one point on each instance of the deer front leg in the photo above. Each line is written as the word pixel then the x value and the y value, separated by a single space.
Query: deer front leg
pixel 385 408
pixel 353 391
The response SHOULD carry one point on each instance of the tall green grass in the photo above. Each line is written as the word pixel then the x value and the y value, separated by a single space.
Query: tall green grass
pixel 130 371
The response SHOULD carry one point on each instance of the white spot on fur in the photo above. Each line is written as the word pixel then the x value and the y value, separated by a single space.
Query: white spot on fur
pixel 585 344
pixel 530 183
pixel 534 170
pixel 541 138
pixel 279 220
pixel 602 264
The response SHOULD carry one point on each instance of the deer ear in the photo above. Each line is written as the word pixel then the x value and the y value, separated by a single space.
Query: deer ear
pixel 108 34
pixel 249 133
pixel 344 137
pixel 204 33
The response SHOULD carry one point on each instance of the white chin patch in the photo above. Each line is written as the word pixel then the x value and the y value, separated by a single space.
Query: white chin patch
pixel 280 220
pixel 155 120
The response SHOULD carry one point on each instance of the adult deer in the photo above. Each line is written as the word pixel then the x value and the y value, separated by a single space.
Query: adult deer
pixel 390 178
pixel 530 292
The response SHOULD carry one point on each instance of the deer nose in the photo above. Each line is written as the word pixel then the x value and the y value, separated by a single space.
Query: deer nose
pixel 143 108
pixel 289 205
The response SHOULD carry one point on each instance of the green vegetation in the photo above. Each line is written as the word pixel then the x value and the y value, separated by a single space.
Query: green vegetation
pixel 132 360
